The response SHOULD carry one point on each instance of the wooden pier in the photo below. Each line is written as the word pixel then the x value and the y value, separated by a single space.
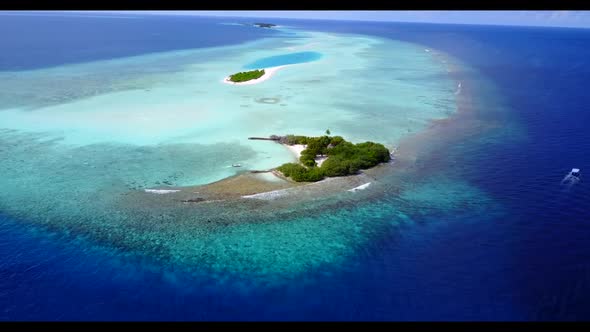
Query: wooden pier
pixel 270 138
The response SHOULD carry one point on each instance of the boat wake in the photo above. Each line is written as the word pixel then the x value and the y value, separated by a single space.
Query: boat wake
pixel 571 178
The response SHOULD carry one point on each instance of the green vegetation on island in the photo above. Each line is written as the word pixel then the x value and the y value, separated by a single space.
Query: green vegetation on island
pixel 246 76
pixel 343 158
pixel 265 25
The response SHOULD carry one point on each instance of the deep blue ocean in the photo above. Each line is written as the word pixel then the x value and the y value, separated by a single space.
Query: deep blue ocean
pixel 532 263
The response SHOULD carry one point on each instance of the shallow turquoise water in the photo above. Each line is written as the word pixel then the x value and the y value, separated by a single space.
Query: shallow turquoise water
pixel 81 142
pixel 179 98
pixel 284 59
pixel 452 218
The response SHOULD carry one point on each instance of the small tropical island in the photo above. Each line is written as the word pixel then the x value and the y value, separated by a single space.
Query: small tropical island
pixel 329 156
pixel 318 158
pixel 264 25
pixel 246 76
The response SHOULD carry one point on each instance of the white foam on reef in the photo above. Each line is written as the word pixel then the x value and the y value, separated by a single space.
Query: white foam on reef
pixel 161 191
pixel 268 195
pixel 361 187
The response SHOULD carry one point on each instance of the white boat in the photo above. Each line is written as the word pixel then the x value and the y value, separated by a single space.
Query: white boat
pixel 575 172
pixel 572 177
pixel 236 165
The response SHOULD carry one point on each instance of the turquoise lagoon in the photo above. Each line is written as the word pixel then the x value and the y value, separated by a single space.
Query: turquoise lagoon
pixel 80 142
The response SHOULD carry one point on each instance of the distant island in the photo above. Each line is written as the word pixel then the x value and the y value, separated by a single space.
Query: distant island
pixel 328 156
pixel 265 25
pixel 246 76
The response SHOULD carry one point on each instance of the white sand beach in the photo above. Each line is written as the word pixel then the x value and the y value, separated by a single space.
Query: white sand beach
pixel 268 72
pixel 298 148
pixel 269 176
pixel 320 160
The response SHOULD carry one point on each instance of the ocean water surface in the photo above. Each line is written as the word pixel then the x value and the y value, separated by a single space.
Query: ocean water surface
pixel 469 223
